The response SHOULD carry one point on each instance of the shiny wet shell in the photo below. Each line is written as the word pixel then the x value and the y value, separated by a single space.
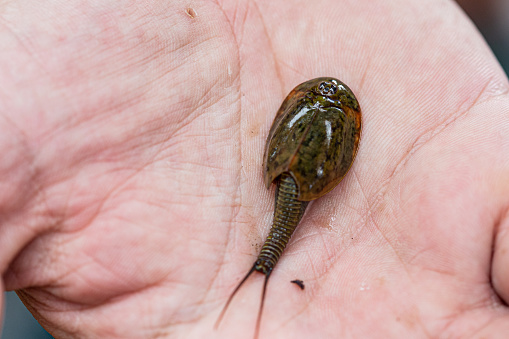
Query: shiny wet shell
pixel 314 137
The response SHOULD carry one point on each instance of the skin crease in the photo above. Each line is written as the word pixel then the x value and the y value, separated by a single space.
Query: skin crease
pixel 132 198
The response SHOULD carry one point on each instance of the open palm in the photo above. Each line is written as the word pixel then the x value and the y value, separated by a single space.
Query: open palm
pixel 132 196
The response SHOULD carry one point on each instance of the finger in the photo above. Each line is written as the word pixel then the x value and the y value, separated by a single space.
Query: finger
pixel 500 268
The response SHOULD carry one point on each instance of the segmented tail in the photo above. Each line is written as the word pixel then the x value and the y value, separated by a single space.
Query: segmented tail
pixel 288 212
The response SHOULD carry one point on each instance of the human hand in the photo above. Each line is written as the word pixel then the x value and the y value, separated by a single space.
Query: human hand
pixel 132 194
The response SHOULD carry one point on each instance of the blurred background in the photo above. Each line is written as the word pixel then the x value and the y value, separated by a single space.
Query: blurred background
pixel 492 19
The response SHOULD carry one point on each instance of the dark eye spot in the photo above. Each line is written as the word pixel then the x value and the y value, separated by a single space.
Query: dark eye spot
pixel 327 88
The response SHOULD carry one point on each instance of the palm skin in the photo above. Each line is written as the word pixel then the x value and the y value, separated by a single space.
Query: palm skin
pixel 132 196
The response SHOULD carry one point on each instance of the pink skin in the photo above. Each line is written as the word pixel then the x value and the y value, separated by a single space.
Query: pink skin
pixel 132 198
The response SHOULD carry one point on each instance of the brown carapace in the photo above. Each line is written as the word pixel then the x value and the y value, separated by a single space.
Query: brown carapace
pixel 311 146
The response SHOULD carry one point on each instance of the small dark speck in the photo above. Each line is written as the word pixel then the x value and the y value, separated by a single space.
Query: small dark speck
pixel 191 12
pixel 299 283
